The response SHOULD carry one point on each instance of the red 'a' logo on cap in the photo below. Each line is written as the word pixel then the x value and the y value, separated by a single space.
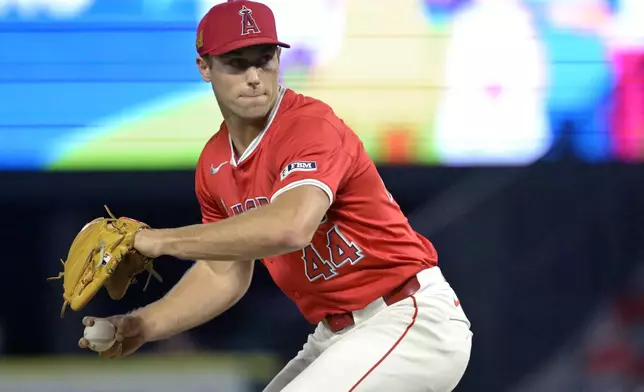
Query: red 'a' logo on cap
pixel 248 22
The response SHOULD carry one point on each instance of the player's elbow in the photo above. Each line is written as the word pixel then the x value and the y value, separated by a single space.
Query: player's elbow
pixel 296 236
pixel 298 213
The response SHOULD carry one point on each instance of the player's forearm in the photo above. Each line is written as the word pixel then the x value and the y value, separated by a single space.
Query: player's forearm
pixel 263 232
pixel 198 297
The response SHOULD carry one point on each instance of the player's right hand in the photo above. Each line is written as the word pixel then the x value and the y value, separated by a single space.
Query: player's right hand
pixel 130 335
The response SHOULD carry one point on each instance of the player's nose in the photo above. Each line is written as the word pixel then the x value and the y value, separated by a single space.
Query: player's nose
pixel 252 76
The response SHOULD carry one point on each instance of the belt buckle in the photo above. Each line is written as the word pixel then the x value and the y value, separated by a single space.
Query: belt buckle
pixel 340 321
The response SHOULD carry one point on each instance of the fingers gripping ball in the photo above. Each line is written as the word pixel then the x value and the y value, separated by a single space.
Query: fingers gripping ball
pixel 101 336
pixel 103 255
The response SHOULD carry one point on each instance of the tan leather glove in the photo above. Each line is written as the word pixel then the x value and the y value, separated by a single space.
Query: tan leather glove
pixel 103 254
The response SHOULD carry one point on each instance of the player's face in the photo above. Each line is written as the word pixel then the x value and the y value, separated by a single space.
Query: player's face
pixel 244 81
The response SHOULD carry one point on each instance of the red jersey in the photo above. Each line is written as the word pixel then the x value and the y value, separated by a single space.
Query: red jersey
pixel 364 246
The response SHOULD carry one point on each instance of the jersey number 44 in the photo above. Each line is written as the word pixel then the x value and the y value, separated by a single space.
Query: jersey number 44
pixel 340 251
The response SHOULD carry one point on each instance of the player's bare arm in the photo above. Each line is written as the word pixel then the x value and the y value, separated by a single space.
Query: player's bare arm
pixel 285 225
pixel 205 291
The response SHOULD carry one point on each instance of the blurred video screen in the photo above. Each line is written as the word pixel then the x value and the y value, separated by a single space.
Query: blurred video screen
pixel 112 84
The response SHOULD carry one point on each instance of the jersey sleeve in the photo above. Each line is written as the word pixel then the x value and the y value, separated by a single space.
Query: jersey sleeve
pixel 210 210
pixel 310 152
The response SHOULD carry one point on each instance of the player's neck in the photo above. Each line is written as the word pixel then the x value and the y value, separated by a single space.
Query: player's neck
pixel 243 131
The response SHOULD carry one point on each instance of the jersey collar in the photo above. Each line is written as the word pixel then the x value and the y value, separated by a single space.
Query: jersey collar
pixel 253 145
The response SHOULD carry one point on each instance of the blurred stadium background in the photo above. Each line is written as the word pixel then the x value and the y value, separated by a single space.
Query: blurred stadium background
pixel 510 131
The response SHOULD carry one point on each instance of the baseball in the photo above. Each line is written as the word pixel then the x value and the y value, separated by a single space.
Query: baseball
pixel 101 335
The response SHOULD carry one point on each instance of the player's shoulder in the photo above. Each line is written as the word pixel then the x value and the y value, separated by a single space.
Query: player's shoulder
pixel 219 139
pixel 216 148
pixel 310 114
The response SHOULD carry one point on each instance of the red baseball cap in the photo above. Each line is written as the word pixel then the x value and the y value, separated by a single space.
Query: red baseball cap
pixel 236 24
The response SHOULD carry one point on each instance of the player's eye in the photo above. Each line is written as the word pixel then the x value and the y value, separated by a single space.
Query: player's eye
pixel 238 63
pixel 265 60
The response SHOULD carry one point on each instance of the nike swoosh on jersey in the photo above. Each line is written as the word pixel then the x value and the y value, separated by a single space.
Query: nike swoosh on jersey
pixel 215 170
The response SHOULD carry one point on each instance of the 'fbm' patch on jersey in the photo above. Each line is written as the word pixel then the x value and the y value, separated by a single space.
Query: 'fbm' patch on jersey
pixel 298 166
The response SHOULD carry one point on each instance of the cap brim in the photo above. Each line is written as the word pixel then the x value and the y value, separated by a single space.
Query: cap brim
pixel 243 43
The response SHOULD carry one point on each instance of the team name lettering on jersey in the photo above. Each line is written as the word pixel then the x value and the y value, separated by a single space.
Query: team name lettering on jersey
pixel 298 167
pixel 248 205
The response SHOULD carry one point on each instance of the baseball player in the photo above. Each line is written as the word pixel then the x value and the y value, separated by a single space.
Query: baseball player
pixel 287 182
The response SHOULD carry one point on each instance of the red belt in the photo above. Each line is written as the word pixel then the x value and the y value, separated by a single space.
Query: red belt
pixel 340 321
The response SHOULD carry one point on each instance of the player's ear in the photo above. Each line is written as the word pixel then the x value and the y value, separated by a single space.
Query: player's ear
pixel 203 65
